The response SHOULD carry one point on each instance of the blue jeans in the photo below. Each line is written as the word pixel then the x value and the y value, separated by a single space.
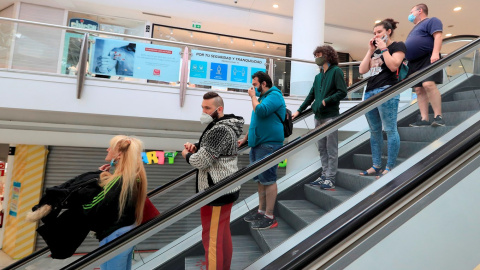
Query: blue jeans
pixel 386 114
pixel 122 260
pixel 268 177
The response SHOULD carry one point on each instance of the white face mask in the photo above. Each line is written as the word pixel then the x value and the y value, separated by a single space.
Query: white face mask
pixel 206 118
pixel 385 38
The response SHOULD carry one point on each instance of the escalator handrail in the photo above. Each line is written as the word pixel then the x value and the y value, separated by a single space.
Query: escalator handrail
pixel 310 249
pixel 166 187
pixel 235 179
pixel 308 112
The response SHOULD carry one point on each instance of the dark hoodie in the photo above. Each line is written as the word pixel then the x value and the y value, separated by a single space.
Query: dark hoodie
pixel 216 156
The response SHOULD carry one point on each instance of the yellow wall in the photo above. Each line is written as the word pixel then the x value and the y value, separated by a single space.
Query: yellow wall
pixel 28 169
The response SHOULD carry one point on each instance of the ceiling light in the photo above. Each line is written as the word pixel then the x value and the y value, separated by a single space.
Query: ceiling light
pixel 158 15
pixel 377 21
pixel 460 66
pixel 275 6
pixel 448 35
pixel 260 31
pixel 457 9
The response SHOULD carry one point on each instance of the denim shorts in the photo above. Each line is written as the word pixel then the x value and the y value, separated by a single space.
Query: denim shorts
pixel 122 260
pixel 258 152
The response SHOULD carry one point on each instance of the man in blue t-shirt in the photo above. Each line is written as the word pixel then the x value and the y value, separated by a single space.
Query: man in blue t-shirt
pixel 423 48
pixel 265 136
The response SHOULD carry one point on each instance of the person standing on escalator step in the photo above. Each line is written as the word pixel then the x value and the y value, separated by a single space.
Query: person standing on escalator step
pixel 265 136
pixel 215 158
pixel 328 89
pixel 383 59
pixel 423 48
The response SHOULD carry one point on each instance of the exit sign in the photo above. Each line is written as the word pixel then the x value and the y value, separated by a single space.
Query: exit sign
pixel 197 25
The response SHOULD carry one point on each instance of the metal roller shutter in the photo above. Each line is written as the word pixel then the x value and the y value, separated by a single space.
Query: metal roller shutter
pixel 65 163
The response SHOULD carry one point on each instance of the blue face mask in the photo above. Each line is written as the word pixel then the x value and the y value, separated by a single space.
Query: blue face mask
pixel 257 93
pixel 112 165
pixel 411 18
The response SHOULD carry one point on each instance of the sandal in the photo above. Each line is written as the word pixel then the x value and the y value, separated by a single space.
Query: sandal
pixel 387 170
pixel 377 171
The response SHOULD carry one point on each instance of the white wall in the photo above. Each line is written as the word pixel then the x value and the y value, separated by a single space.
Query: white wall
pixel 37 48
pixel 105 107
pixel 444 235
pixel 6 33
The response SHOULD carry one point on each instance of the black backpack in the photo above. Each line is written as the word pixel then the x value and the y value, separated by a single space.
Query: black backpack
pixel 287 124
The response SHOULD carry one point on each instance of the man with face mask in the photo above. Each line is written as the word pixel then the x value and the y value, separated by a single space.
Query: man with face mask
pixel 265 136
pixel 423 48
pixel 215 158
pixel 328 89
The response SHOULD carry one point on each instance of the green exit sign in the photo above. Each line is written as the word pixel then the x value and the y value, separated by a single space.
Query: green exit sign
pixel 196 25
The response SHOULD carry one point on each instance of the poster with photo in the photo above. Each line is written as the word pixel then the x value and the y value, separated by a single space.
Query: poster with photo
pixel 223 70
pixel 138 60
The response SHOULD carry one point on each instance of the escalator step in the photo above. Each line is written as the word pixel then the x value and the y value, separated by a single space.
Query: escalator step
pixel 364 161
pixel 270 238
pixel 426 134
pixel 352 180
pixel 245 251
pixel 459 106
pixel 327 199
pixel 467 95
pixel 299 213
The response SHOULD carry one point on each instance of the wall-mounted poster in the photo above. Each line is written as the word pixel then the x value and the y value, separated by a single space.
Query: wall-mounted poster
pixel 138 60
pixel 223 70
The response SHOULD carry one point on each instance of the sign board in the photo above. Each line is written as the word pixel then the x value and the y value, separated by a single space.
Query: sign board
pixel 137 60
pixel 224 70
pixel 83 23
pixel 197 25
pixel 14 201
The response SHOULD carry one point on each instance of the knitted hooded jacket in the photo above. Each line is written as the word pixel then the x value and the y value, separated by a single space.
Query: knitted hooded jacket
pixel 216 156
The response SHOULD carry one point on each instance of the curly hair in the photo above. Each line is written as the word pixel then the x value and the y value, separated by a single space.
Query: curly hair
pixel 328 53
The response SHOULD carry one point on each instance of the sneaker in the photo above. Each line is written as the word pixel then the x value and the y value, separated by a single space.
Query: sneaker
pixel 319 181
pixel 253 217
pixel 265 223
pixel 420 123
pixel 328 184
pixel 438 121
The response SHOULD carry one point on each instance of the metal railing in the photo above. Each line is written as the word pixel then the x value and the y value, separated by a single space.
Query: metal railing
pixel 183 82
pixel 194 203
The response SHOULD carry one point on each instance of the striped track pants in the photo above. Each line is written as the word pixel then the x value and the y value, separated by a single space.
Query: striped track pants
pixel 216 236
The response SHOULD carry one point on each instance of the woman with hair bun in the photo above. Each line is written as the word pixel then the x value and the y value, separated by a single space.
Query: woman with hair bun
pixel 383 58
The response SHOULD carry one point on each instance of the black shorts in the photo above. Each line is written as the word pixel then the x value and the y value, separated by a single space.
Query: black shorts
pixel 421 63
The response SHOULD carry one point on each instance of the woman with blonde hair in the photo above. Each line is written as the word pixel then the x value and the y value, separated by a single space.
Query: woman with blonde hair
pixel 119 206
pixel 109 202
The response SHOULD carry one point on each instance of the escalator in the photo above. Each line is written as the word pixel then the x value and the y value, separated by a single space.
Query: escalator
pixel 302 210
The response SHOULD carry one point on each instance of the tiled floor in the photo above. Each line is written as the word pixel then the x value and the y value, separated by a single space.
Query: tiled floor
pixel 5 260
pixel 49 263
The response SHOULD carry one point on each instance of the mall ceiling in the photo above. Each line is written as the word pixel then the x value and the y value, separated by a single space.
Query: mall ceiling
pixel 348 22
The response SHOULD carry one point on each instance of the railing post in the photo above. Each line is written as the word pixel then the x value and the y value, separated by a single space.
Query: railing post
pixel 271 69
pixel 184 76
pixel 476 62
pixel 82 65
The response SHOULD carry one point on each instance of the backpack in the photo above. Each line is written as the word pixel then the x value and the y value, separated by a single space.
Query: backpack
pixel 402 70
pixel 287 124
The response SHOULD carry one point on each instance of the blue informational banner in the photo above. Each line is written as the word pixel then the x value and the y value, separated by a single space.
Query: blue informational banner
pixel 223 70
pixel 138 60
